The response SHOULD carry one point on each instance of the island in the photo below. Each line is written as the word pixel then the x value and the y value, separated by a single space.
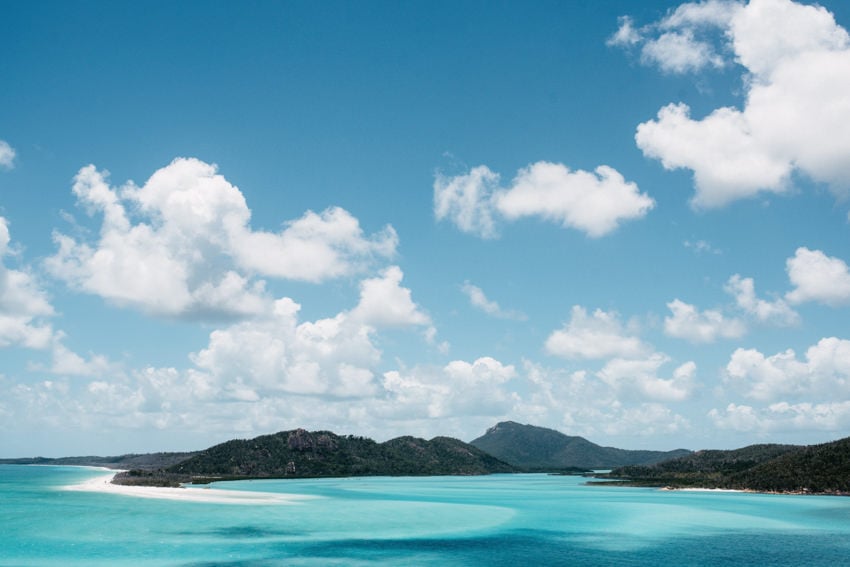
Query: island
pixel 771 468
pixel 304 454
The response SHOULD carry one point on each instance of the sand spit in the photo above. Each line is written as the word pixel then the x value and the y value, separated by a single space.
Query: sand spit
pixel 200 494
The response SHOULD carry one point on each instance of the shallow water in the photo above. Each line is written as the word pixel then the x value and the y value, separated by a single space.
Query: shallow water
pixel 494 520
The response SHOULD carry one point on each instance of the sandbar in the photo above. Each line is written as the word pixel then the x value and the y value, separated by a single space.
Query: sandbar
pixel 104 484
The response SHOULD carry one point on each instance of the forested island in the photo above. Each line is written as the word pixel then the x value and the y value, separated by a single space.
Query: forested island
pixel 304 454
pixel 813 469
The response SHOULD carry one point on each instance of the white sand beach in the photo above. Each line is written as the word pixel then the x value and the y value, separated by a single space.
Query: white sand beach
pixel 705 489
pixel 201 494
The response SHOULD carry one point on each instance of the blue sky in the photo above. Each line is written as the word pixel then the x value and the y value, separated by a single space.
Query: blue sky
pixel 623 221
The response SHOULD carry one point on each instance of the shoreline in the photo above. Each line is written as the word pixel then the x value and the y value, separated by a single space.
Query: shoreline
pixel 695 489
pixel 103 484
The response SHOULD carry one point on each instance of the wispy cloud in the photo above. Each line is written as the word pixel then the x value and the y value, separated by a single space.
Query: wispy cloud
pixel 592 202
pixel 7 155
pixel 478 300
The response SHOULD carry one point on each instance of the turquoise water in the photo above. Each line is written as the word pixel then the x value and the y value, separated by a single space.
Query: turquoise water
pixel 495 520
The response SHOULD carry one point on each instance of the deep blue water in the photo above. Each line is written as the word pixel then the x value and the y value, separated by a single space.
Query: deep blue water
pixel 495 520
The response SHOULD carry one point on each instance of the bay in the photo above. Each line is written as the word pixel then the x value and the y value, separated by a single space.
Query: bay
pixel 489 520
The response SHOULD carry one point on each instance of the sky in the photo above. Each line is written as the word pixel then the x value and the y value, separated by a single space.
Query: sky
pixel 625 221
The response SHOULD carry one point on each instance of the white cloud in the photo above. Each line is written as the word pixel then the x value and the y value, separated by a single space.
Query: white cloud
pixel 797 61
pixel 684 41
pixel 594 203
pixel 641 377
pixel 680 52
pixel 192 252
pixel 776 312
pixel 769 33
pixel 66 362
pixel 825 372
pixel 479 300
pixel 24 306
pixel 828 416
pixel 316 385
pixel 334 356
pixel 24 313
pixel 646 419
pixel 626 35
pixel 818 277
pixel 707 326
pixel 600 335
pixel 466 200
pixel 728 161
pixel 384 303
pixel 707 13
pixel 7 155
pixel 278 354
pixel 459 389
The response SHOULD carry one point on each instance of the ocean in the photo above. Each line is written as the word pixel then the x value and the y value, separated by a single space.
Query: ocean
pixel 490 520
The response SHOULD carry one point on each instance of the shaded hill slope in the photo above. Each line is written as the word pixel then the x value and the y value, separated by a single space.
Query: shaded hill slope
pixel 708 468
pixel 537 448
pixel 823 468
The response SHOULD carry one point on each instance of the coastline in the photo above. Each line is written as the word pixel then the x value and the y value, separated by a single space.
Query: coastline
pixel 672 489
pixel 103 484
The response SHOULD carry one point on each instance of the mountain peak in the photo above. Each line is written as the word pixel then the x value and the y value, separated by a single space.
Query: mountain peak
pixel 539 448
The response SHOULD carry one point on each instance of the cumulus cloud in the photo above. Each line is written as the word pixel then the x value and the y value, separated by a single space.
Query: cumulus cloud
pixel 479 300
pixel 25 311
pixel 641 377
pixel 385 303
pixel 223 393
pixel 334 356
pixel 782 416
pixel 687 322
pixel 818 277
pixel 776 312
pixel 824 373
pixel 592 202
pixel 191 251
pixel 797 67
pixel 24 306
pixel 458 389
pixel 7 155
pixel 596 336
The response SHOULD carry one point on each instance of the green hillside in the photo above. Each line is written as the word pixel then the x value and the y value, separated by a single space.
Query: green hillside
pixel 537 448
pixel 823 468
pixel 302 454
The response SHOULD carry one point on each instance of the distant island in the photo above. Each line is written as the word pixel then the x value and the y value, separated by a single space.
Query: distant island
pixel 813 469
pixel 145 461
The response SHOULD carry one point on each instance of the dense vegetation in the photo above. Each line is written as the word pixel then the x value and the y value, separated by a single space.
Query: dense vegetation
pixel 301 454
pixel 821 468
pixel 533 448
